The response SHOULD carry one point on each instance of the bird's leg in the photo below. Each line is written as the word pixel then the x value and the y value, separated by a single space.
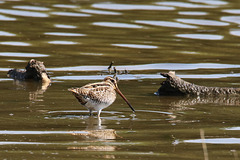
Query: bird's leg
pixel 98 113
pixel 99 122
pixel 90 112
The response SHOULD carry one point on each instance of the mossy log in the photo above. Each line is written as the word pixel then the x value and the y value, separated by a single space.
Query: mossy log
pixel 174 85
pixel 34 70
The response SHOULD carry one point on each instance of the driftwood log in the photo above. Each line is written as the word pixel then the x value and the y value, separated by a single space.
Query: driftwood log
pixel 174 85
pixel 34 70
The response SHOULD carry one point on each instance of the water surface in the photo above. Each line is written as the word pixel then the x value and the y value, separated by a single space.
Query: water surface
pixel 77 40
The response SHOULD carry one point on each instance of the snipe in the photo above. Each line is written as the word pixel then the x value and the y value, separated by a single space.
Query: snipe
pixel 100 95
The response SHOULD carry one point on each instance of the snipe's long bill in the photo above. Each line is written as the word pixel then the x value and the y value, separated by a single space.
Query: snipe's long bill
pixel 100 95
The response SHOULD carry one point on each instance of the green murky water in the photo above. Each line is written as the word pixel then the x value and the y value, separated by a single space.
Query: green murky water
pixel 77 39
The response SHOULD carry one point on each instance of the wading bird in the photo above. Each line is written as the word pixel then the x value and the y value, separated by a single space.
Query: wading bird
pixel 100 95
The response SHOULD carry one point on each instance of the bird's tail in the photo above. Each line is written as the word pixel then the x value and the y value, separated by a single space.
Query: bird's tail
pixel 72 90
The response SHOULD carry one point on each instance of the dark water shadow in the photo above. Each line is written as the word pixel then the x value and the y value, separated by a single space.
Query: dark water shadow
pixel 180 106
pixel 35 89
pixel 177 101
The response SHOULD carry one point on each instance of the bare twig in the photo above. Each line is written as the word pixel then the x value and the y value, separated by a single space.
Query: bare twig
pixel 204 146
pixel 110 67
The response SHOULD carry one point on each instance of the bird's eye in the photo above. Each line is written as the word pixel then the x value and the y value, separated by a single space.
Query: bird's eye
pixel 112 81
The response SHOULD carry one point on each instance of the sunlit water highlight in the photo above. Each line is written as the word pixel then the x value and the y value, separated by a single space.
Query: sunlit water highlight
pixel 100 12
pixel 184 4
pixel 166 24
pixel 77 40
pixel 73 14
pixel 203 22
pixel 3 33
pixel 63 34
pixel 65 26
pixel 5 18
pixel 34 8
pixel 210 2
pixel 136 46
pixel 215 141
pixel 18 54
pixel 63 42
pixel 156 66
pixel 41 132
pixel 23 13
pixel 201 36
pixel 117 25
pixel 112 6
pixel 12 43
pixel 192 13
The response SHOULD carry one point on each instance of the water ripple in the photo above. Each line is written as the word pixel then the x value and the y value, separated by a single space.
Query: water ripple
pixel 63 34
pixel 233 128
pixel 145 76
pixel 40 132
pixel 23 13
pixel 5 18
pixel 117 25
pixel 232 11
pixel 21 143
pixel 19 54
pixel 233 19
pixel 184 5
pixel 201 36
pixel 34 8
pixel 130 7
pixel 150 111
pixel 192 13
pixel 71 14
pixel 235 32
pixel 3 33
pixel 65 6
pixel 11 43
pixel 203 22
pixel 215 141
pixel 210 2
pixel 63 42
pixel 92 54
pixel 93 11
pixel 5 79
pixel 97 77
pixel 65 26
pixel 153 66
pixel 82 111
pixel 136 46
pixel 165 24
pixel 15 60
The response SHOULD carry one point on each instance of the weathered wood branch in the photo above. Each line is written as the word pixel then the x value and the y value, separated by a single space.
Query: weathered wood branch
pixel 34 70
pixel 174 85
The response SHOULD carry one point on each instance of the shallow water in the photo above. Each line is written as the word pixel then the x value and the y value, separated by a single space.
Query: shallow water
pixel 77 40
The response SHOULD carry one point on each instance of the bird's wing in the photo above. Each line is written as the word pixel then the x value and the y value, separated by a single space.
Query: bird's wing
pixel 79 95
pixel 93 91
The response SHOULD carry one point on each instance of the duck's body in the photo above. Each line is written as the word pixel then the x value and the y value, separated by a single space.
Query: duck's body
pixel 97 96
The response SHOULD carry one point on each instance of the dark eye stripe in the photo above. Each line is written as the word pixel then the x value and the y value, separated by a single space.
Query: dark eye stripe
pixel 97 85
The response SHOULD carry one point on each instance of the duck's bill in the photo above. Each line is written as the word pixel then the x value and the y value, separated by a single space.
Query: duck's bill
pixel 125 99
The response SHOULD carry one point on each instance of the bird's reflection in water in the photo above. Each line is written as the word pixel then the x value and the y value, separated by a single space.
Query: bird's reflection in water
pixel 34 88
pixel 95 133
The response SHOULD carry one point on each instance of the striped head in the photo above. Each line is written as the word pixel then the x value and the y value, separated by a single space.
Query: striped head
pixel 113 82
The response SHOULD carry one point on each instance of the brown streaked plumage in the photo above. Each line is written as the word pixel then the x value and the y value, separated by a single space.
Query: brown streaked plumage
pixel 100 95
